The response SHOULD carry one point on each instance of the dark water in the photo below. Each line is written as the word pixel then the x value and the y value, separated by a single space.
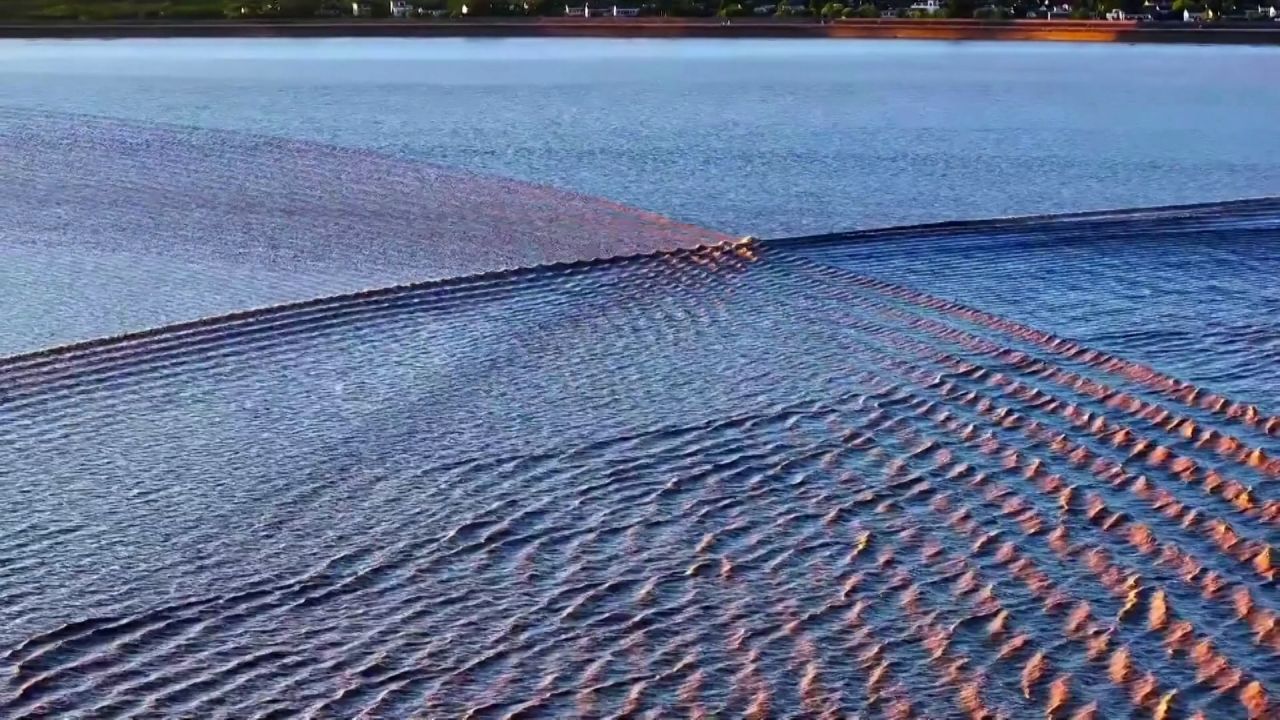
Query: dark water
pixel 755 479
pixel 1110 284
pixel 1008 469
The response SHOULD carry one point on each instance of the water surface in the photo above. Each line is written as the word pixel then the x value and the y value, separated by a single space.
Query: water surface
pixel 1011 470
pixel 755 479
pixel 745 136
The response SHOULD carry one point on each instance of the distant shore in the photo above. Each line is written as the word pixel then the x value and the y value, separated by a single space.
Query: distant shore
pixel 1057 30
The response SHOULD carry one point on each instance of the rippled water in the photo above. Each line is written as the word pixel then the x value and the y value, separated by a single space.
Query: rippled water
pixel 790 478
pixel 769 138
pixel 1111 284
pixel 1011 469
pixel 149 182
pixel 108 226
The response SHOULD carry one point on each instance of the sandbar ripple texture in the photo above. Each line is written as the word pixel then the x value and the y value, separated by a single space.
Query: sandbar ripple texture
pixel 747 479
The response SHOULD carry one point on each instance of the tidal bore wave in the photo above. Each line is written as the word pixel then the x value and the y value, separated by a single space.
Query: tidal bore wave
pixel 107 225
pixel 874 475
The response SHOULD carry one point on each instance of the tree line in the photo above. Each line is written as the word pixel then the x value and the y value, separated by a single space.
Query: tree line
pixel 109 10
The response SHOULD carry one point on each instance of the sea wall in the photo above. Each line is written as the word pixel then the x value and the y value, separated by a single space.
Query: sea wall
pixel 1070 31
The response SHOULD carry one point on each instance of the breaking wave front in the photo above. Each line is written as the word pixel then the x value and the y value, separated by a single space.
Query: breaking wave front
pixel 870 474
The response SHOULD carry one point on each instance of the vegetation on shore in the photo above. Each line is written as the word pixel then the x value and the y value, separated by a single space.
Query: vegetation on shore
pixel 125 10
pixel 105 10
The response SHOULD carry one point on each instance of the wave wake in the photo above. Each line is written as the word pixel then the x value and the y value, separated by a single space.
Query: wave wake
pixel 824 476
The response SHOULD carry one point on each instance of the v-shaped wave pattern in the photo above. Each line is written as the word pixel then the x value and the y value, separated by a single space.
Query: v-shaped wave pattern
pixel 904 473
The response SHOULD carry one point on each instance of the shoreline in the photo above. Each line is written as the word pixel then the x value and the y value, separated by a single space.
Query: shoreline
pixel 1024 30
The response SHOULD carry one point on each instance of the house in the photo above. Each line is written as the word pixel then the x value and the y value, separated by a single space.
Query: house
pixel 764 9
pixel 1049 12
pixel 889 14
pixel 1190 15
pixel 577 11
pixel 1262 12
pixel 626 9
pixel 361 9
pixel 929 6
pixel 400 8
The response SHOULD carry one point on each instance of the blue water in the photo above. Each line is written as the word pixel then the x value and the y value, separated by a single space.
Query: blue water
pixel 1197 301
pixel 913 473
pixel 763 137
pixel 744 481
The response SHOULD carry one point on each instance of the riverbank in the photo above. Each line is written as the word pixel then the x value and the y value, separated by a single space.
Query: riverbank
pixel 1063 31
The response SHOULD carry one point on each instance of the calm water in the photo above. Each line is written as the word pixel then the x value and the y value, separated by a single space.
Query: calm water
pixel 225 174
pixel 1006 470
pixel 762 137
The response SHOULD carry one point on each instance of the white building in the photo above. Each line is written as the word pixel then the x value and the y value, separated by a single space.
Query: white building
pixel 929 6
pixel 400 8
pixel 585 10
